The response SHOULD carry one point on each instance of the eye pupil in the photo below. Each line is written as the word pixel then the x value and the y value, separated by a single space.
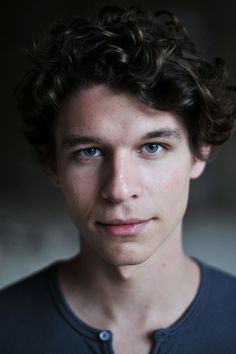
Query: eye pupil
pixel 152 147
pixel 90 152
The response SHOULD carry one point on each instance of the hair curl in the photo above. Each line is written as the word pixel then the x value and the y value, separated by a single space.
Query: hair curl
pixel 149 56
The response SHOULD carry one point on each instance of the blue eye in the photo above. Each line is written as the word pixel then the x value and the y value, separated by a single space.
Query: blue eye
pixel 153 148
pixel 89 153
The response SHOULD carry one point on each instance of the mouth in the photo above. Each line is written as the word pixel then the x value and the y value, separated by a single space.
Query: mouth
pixel 130 227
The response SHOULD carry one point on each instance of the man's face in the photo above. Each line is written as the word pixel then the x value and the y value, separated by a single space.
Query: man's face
pixel 124 170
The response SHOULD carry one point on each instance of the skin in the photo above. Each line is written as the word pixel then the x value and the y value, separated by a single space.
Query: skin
pixel 124 170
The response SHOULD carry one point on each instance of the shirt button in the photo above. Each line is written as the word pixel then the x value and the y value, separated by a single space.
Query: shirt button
pixel 104 335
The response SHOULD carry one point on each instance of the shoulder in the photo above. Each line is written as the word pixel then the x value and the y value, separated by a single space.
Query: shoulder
pixel 209 324
pixel 26 293
pixel 222 282
pixel 28 314
pixel 34 279
pixel 220 297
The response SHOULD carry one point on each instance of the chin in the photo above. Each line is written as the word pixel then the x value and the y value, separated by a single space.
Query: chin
pixel 125 262
pixel 126 257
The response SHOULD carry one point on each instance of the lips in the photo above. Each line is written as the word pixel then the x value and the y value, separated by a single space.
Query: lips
pixel 130 227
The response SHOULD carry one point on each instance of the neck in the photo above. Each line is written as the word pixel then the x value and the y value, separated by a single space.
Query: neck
pixel 165 284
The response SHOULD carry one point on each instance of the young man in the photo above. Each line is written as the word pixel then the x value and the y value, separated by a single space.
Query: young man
pixel 122 114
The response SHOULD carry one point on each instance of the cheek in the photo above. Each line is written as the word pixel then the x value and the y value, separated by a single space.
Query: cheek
pixel 174 182
pixel 78 189
pixel 170 187
pixel 177 191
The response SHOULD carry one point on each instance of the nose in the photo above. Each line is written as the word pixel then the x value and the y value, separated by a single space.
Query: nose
pixel 121 180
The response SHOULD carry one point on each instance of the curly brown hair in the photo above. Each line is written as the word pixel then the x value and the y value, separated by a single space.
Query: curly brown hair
pixel 149 56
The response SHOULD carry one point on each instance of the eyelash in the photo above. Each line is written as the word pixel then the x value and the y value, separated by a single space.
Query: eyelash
pixel 81 154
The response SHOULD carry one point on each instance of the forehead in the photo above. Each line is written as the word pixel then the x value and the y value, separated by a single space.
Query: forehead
pixel 101 111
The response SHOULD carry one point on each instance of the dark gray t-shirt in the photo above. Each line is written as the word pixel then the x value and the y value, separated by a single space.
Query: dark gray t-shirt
pixel 35 319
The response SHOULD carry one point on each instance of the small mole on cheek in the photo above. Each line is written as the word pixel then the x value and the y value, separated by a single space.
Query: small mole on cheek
pixel 163 265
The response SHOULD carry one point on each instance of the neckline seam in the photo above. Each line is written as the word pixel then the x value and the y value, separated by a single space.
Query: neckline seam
pixel 63 308
pixel 192 312
pixel 93 333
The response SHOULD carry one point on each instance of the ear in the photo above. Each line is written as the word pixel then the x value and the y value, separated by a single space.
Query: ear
pixel 51 172
pixel 55 180
pixel 198 165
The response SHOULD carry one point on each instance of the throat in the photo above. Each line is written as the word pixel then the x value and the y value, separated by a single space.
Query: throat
pixel 149 303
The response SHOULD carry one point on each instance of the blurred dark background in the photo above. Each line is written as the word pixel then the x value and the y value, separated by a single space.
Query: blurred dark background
pixel 35 227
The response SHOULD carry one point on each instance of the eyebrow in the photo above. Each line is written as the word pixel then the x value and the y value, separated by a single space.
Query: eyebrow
pixel 163 133
pixel 77 139
pixel 73 140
